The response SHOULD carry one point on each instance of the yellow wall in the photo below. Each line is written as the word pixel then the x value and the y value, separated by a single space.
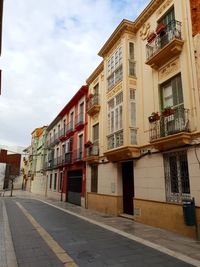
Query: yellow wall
pixel 104 203
pixel 164 215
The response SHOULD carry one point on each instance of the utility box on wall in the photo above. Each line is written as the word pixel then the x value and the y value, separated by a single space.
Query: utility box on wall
pixel 189 212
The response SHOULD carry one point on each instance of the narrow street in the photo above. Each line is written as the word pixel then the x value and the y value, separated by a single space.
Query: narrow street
pixel 46 236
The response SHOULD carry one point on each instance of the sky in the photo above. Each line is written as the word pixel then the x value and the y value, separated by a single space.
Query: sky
pixel 49 49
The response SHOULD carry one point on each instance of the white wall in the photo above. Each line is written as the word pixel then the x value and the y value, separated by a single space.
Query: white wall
pixel 149 178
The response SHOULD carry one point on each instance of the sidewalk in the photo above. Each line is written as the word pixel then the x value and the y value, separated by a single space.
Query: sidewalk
pixel 170 243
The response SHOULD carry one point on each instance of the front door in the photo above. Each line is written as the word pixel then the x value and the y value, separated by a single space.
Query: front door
pixel 128 187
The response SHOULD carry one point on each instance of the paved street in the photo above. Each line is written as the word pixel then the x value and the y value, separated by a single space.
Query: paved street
pixel 56 238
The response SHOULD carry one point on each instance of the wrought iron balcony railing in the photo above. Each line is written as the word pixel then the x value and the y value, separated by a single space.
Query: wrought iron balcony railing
pixel 172 31
pixel 93 150
pixel 170 124
pixel 78 154
pixel 79 119
pixel 70 127
pixel 93 101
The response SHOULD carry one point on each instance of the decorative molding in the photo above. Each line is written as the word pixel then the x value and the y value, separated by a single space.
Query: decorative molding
pixel 132 82
pixel 163 7
pixel 145 31
pixel 169 69
pixel 114 91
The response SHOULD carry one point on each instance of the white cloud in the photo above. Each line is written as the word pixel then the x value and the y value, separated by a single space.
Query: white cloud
pixel 49 49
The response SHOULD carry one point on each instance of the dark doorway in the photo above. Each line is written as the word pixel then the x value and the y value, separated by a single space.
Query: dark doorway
pixel 74 187
pixel 128 186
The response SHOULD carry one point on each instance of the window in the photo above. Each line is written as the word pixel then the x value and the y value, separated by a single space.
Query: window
pixel 115 113
pixel 169 19
pixel 81 113
pixel 55 181
pixel 114 68
pixel 94 178
pixel 176 176
pixel 133 129
pixel 61 182
pixel 96 132
pixel 131 60
pixel 80 147
pixel 172 95
pixel 71 120
pixel 50 181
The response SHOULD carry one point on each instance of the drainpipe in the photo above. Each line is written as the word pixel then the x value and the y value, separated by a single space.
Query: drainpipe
pixel 191 61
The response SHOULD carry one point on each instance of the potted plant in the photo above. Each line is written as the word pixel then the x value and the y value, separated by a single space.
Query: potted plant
pixel 167 111
pixel 88 144
pixel 151 37
pixel 154 117
pixel 160 28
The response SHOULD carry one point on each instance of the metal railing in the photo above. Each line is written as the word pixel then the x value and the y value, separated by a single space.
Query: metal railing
pixel 93 101
pixel 172 31
pixel 93 150
pixel 79 119
pixel 78 154
pixel 170 124
pixel 69 127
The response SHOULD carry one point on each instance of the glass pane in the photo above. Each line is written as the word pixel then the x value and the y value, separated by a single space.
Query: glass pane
pixel 173 174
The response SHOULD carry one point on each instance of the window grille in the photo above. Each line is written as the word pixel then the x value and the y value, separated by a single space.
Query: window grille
pixel 176 176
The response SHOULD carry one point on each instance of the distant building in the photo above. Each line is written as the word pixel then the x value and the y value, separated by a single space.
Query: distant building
pixel 34 179
pixel 66 137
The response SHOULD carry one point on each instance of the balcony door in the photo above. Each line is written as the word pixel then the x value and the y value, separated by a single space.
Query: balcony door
pixel 172 96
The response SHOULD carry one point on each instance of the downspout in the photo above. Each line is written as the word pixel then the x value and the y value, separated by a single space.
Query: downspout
pixel 192 61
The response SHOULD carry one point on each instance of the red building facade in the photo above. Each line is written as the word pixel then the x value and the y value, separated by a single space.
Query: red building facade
pixel 66 137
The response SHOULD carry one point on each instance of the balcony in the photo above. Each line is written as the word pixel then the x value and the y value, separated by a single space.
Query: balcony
pixel 92 153
pixel 171 130
pixel 165 45
pixel 62 133
pixel 78 155
pixel 67 159
pixel 93 104
pixel 79 121
pixel 70 129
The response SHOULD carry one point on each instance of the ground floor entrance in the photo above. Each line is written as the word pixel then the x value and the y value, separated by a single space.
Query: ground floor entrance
pixel 74 186
pixel 127 186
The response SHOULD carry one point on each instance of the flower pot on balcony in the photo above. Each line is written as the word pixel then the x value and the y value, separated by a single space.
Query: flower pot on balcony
pixel 160 28
pixel 88 144
pixel 154 117
pixel 151 37
pixel 168 111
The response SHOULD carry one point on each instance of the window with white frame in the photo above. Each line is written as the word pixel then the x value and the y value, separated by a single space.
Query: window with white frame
pixel 176 176
pixel 114 68
pixel 80 118
pixel 115 131
pixel 133 129
pixel 71 122
pixel 131 60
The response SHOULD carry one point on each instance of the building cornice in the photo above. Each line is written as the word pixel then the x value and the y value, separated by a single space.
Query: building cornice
pixel 95 73
pixel 130 26
pixel 125 26
pixel 147 12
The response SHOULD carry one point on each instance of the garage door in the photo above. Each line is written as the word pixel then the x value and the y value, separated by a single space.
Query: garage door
pixel 74 187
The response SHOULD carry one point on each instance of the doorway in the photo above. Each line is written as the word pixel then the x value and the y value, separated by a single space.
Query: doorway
pixel 127 186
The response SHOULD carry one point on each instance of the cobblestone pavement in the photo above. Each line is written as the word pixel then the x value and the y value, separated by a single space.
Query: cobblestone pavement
pixel 172 244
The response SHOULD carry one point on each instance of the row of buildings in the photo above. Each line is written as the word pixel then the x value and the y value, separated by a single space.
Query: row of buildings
pixel 128 142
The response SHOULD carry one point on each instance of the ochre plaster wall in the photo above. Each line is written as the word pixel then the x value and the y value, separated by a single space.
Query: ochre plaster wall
pixel 104 203
pixel 164 215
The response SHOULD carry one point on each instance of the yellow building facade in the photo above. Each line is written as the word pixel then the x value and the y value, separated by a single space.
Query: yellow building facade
pixel 144 119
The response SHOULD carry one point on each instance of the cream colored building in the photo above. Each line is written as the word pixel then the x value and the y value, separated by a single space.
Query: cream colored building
pixel 37 182
pixel 146 164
